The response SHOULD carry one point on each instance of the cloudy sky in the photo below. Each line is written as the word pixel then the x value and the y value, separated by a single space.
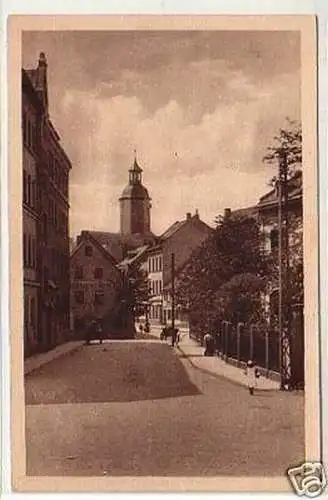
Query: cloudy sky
pixel 199 107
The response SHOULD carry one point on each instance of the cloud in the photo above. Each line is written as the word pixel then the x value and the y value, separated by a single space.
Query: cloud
pixel 200 108
pixel 206 165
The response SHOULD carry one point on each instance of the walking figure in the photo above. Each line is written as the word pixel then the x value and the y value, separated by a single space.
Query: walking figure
pixel 174 336
pixel 99 332
pixel 209 345
pixel 253 374
pixel 91 331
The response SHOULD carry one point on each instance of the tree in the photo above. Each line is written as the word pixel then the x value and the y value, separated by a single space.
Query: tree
pixel 288 142
pixel 231 258
pixel 134 292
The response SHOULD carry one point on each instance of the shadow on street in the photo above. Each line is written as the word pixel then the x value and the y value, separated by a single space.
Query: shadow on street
pixel 112 372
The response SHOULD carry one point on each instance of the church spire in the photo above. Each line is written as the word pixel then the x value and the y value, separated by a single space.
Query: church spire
pixel 135 171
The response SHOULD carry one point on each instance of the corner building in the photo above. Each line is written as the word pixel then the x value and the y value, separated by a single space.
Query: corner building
pixel 46 170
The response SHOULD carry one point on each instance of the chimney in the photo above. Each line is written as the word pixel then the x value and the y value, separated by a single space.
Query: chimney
pixel 188 215
pixel 196 214
pixel 227 213
pixel 41 80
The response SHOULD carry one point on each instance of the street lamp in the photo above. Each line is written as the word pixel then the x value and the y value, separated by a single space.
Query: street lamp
pixel 283 257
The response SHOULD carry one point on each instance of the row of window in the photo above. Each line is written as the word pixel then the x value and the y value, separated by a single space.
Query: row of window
pixel 79 297
pixel 30 192
pixel 59 263
pixel 57 217
pixel 56 173
pixel 30 311
pixel 155 264
pixel 29 251
pixel 98 273
pixel 29 133
pixel 156 287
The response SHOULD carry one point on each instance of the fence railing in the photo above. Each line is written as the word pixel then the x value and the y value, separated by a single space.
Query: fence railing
pixel 243 342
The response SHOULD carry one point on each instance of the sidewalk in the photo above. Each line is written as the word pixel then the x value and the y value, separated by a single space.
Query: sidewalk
pixel 34 362
pixel 218 367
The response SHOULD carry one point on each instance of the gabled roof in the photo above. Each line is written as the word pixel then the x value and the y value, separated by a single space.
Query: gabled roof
pixel 173 229
pixel 133 257
pixel 245 212
pixel 295 191
pixel 118 244
pixel 88 238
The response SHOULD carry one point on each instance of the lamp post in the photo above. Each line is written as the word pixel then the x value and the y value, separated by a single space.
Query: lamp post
pixel 173 290
pixel 283 257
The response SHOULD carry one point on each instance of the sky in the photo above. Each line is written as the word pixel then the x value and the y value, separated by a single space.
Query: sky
pixel 199 107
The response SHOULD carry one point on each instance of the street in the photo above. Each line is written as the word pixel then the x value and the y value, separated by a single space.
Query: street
pixel 139 408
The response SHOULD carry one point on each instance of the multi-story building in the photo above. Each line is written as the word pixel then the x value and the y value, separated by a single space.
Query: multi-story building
pixel 31 110
pixel 95 285
pixel 180 240
pixel 267 210
pixel 45 218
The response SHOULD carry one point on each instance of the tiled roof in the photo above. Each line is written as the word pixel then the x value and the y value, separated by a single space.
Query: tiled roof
pixel 117 244
pixel 133 257
pixel 172 229
pixel 245 212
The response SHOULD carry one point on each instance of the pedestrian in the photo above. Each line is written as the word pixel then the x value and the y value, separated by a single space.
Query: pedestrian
pixel 99 331
pixel 252 374
pixel 174 336
pixel 140 328
pixel 91 331
pixel 209 344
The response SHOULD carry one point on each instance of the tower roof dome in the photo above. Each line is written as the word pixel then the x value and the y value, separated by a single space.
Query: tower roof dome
pixel 135 188
pixel 136 191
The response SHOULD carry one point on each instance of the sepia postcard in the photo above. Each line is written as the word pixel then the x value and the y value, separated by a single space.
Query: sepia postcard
pixel 164 254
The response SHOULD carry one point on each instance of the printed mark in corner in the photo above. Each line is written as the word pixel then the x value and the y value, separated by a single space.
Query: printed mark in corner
pixel 308 479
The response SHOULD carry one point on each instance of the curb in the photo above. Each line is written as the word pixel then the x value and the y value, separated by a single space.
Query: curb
pixel 220 375
pixel 45 358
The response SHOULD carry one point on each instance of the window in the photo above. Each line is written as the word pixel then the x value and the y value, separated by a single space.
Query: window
pixel 33 312
pixel 24 186
pixel 99 298
pixel 79 272
pixel 24 250
pixel 79 297
pixel 274 239
pixel 24 127
pixel 88 251
pixel 98 273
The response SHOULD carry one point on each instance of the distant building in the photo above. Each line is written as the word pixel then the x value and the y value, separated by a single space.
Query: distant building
pixel 266 214
pixel 268 219
pixel 46 170
pixel 95 284
pixel 135 220
pixel 180 239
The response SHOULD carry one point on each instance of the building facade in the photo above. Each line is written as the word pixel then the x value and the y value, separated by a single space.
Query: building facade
pixel 95 284
pixel 46 170
pixel 180 239
pixel 268 219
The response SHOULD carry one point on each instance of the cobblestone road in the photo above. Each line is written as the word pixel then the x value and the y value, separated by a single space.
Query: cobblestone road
pixel 136 408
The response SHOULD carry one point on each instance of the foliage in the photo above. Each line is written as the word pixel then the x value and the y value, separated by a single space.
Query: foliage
pixel 224 276
pixel 134 292
pixel 288 142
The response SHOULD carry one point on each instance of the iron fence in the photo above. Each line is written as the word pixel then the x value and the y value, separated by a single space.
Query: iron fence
pixel 243 342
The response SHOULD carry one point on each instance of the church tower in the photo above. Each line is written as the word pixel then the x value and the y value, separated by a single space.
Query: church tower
pixel 135 204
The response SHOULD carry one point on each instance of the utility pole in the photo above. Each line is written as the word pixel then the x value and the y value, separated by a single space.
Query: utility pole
pixel 173 290
pixel 283 256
